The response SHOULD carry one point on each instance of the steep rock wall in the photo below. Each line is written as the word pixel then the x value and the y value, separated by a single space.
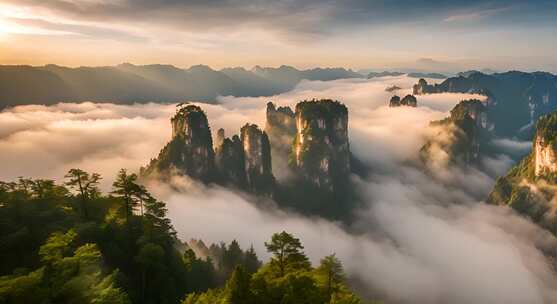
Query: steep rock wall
pixel 321 151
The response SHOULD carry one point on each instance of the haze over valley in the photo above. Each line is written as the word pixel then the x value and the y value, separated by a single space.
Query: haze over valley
pixel 278 152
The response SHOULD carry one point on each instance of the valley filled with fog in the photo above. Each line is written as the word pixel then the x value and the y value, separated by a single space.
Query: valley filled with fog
pixel 423 236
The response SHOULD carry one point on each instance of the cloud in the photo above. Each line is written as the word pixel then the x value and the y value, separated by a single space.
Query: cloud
pixel 84 31
pixel 477 15
pixel 420 238
pixel 410 247
pixel 292 18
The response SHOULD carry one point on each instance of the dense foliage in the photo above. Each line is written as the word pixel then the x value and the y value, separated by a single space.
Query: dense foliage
pixel 71 244
pixel 287 278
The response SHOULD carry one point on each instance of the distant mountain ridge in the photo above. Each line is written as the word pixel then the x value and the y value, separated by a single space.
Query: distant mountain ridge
pixel 127 83
pixel 410 74
pixel 515 100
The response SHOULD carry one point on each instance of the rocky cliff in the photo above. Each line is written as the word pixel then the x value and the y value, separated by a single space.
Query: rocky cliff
pixel 408 101
pixel 462 137
pixel 545 146
pixel 515 99
pixel 190 151
pixel 257 159
pixel 281 129
pixel 321 151
pixel 394 102
pixel 242 161
pixel 229 159
pixel 530 187
pixel 280 126
pixel 544 156
pixel 314 137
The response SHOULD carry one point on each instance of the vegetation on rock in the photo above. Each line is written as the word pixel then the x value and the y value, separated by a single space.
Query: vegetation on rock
pixel 526 191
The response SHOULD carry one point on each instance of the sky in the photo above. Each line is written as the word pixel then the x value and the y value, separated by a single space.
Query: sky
pixel 425 34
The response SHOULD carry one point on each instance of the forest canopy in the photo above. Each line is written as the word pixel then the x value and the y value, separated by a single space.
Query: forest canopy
pixel 71 243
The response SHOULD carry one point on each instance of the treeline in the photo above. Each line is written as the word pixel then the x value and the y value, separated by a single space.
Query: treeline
pixel 288 278
pixel 70 243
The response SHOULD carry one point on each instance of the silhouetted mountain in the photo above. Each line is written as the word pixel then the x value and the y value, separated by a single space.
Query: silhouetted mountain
pixel 327 74
pixel 427 75
pixel 252 83
pixel 383 74
pixel 128 83
pixel 515 100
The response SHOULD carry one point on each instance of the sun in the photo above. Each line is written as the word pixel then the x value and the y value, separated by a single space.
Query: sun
pixel 6 28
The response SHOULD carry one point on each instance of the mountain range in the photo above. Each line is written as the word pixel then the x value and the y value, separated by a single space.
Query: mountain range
pixel 515 100
pixel 127 83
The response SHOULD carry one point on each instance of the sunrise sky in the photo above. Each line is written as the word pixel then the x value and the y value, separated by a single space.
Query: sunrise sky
pixel 434 35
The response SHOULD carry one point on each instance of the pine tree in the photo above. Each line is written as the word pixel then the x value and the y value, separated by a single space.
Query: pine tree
pixel 125 187
pixel 332 274
pixel 237 290
pixel 251 262
pixel 86 184
pixel 232 257
pixel 287 253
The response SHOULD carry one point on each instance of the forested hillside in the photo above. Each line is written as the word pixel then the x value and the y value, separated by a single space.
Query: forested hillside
pixel 70 243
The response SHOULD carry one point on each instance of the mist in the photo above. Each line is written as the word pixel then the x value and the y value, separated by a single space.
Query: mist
pixel 421 237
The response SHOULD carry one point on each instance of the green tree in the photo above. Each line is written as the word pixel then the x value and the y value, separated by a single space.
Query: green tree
pixel 200 273
pixel 251 262
pixel 126 188
pixel 287 253
pixel 85 184
pixel 155 216
pixel 57 246
pixel 66 276
pixel 41 188
pixel 150 259
pixel 331 275
pixel 24 185
pixel 298 288
pixel 237 290
pixel 232 257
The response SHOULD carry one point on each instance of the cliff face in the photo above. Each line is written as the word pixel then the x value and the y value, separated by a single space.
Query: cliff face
pixel 545 146
pixel 190 151
pixel 529 187
pixel 243 161
pixel 281 129
pixel 313 142
pixel 515 99
pixel 257 159
pixel 229 159
pixel 463 136
pixel 408 100
pixel 280 126
pixel 321 151
pixel 394 102
pixel 544 156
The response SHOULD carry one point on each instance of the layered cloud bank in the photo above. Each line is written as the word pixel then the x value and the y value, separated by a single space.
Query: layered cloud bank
pixel 421 238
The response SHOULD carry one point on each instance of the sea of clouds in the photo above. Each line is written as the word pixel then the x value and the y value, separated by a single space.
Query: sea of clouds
pixel 423 236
